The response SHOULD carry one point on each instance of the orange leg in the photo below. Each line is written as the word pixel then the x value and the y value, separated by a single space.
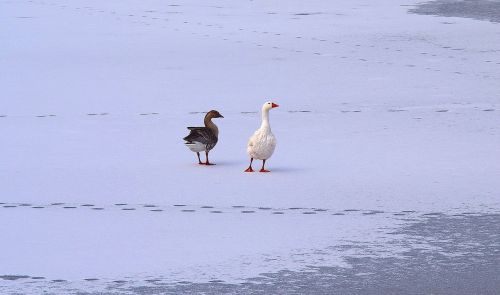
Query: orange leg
pixel 207 162
pixel 263 169
pixel 249 169
pixel 199 160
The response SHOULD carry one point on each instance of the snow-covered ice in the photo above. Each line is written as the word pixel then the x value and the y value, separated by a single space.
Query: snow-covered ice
pixel 383 116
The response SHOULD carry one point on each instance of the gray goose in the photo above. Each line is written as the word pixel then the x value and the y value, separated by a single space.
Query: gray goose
pixel 204 138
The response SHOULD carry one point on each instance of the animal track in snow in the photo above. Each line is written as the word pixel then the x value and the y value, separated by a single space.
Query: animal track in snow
pixel 184 208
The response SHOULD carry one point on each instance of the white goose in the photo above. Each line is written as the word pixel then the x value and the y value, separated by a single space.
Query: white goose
pixel 262 143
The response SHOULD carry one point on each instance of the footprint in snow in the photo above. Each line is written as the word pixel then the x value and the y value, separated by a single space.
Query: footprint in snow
pixel 13 277
pixel 433 214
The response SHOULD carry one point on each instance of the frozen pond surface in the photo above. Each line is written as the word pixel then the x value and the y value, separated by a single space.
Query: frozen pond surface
pixel 384 181
pixel 456 254
pixel 436 253
pixel 477 9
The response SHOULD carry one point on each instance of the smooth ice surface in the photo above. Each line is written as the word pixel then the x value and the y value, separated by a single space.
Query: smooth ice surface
pixel 380 111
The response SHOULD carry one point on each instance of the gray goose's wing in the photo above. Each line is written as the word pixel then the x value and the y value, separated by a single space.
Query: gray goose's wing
pixel 203 135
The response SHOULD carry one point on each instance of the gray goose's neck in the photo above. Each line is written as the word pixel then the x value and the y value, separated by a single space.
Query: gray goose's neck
pixel 209 124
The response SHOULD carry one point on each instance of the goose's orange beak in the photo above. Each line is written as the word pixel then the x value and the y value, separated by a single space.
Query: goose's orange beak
pixel 274 105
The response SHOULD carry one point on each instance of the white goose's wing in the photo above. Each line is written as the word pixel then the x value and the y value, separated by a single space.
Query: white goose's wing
pixel 250 142
pixel 253 139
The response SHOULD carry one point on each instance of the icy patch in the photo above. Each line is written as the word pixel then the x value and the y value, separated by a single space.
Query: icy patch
pixel 476 9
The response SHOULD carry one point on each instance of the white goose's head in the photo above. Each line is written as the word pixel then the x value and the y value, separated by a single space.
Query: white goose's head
pixel 269 105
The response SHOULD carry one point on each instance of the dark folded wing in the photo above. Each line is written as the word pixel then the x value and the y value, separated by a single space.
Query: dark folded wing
pixel 201 134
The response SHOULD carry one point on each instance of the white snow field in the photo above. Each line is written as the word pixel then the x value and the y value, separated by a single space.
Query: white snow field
pixel 381 112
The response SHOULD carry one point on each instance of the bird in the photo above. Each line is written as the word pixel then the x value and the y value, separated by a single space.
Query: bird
pixel 262 143
pixel 204 138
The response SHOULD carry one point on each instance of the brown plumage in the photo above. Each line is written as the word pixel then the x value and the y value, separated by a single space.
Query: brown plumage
pixel 204 138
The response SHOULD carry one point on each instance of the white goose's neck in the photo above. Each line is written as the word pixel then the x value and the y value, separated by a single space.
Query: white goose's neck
pixel 265 120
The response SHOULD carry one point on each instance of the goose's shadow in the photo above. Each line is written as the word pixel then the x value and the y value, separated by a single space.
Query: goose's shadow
pixel 257 166
pixel 282 169
pixel 227 163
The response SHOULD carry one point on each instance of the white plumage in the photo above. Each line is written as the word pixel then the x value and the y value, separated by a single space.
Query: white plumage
pixel 196 147
pixel 262 143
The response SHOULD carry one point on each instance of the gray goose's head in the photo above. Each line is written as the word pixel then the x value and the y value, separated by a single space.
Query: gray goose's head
pixel 213 114
pixel 208 121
